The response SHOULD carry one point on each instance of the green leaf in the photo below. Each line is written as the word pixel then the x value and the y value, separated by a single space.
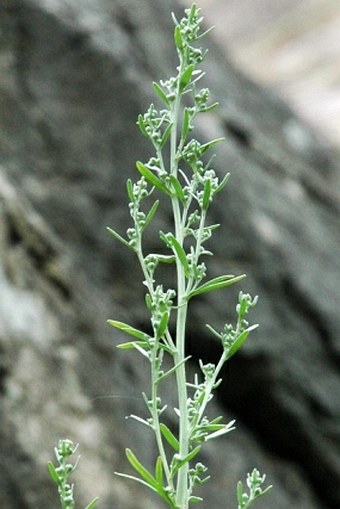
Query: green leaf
pixel 213 331
pixel 216 284
pixel 206 194
pixel 185 124
pixel 169 437
pixel 149 478
pixel 222 184
pixel 162 325
pixel 151 177
pixel 177 188
pixel 186 77
pixel 239 341
pixel 141 126
pixel 136 464
pixel 209 108
pixel 180 462
pixel 210 144
pixel 121 239
pixel 151 214
pixel 178 250
pixel 159 471
pixel 195 499
pixel 92 504
pixel 172 370
pixel 129 330
pixel 129 188
pixel 53 473
pixel 130 345
pixel 166 134
pixel 178 38
pixel 160 93
pixel 239 493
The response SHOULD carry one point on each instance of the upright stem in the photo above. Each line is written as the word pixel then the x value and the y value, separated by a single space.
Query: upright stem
pixel 182 479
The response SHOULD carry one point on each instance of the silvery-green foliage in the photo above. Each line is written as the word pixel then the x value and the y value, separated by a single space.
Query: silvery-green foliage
pixel 181 171
pixel 62 472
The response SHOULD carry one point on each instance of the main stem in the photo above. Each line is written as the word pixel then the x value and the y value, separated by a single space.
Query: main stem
pixel 182 479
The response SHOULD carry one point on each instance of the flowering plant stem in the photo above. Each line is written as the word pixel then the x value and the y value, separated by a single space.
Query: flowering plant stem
pixel 179 172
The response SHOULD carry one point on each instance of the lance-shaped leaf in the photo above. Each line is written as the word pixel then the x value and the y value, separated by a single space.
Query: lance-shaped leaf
pixel 92 504
pixel 151 214
pixel 129 188
pixel 178 463
pixel 170 240
pixel 177 188
pixel 129 330
pixel 239 341
pixel 169 437
pixel 166 134
pixel 158 89
pixel 120 238
pixel 226 428
pixel 178 37
pixel 162 325
pixel 216 284
pixel 172 370
pixel 185 124
pixel 151 177
pixel 210 144
pixel 159 471
pixel 53 473
pixel 222 184
pixel 141 125
pixel 149 479
pixel 211 107
pixel 186 77
pixel 136 464
pixel 206 194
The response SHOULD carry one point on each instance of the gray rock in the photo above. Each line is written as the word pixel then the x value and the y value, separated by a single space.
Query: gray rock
pixel 74 76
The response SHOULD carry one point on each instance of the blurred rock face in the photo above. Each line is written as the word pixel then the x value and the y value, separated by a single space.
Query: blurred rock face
pixel 291 46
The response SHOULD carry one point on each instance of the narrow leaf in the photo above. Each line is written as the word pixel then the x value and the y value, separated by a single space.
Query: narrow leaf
pixel 209 108
pixel 195 499
pixel 185 124
pixel 137 479
pixel 177 188
pixel 151 214
pixel 136 464
pixel 213 331
pixel 216 284
pixel 130 345
pixel 177 248
pixel 178 38
pixel 92 504
pixel 186 77
pixel 128 329
pixel 129 188
pixel 141 126
pixel 166 135
pixel 206 194
pixel 151 177
pixel 159 471
pixel 121 239
pixel 222 184
pixel 173 369
pixel 239 493
pixel 53 473
pixel 192 454
pixel 162 325
pixel 160 93
pixel 169 437
pixel 210 144
pixel 239 341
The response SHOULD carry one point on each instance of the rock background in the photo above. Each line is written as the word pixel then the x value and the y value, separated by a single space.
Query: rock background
pixel 74 75
pixel 291 47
